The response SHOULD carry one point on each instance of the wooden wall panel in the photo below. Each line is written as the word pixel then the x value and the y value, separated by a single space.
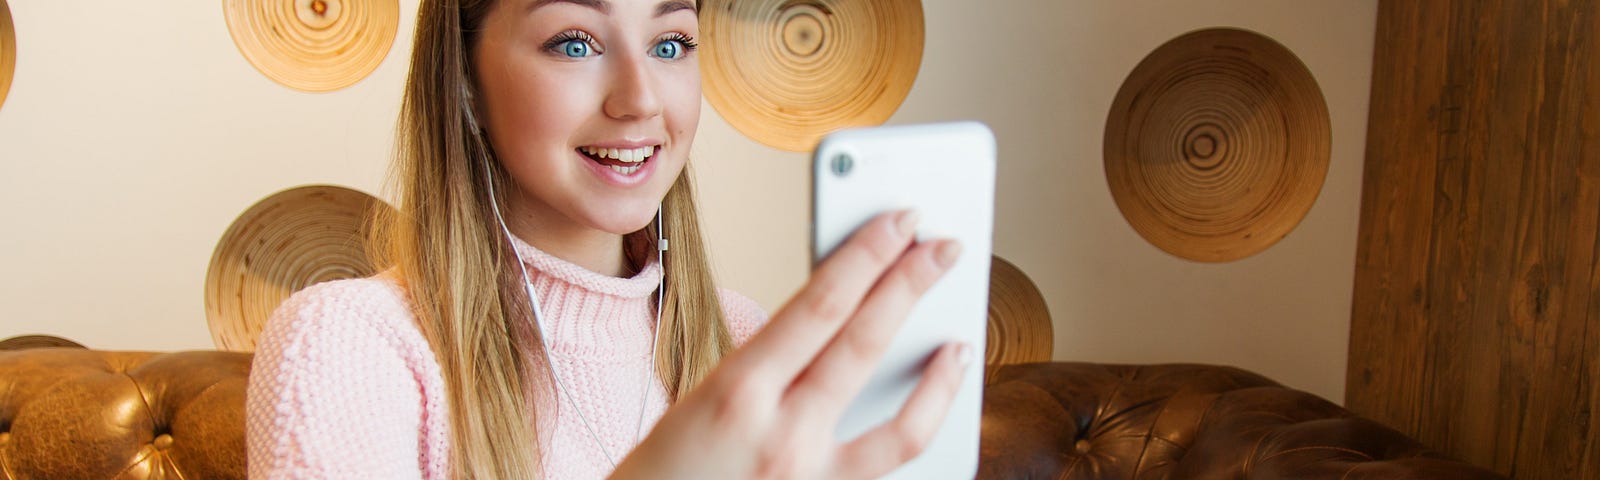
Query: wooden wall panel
pixel 1476 318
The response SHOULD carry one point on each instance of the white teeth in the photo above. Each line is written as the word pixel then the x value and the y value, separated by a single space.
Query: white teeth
pixel 626 170
pixel 630 155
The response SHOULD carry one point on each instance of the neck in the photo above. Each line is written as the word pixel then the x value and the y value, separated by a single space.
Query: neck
pixel 596 250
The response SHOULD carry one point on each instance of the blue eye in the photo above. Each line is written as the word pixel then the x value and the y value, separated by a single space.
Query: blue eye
pixel 573 44
pixel 668 49
pixel 673 46
pixel 575 48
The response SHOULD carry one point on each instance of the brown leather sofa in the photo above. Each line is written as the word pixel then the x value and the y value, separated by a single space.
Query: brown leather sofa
pixel 1090 421
pixel 75 413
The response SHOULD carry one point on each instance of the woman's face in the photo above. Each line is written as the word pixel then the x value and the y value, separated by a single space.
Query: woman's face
pixel 591 105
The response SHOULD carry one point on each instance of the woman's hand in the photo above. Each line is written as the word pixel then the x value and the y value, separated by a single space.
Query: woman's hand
pixel 770 408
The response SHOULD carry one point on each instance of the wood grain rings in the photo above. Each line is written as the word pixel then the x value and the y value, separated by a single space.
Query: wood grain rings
pixel 1217 144
pixel 8 50
pixel 787 72
pixel 313 45
pixel 1020 330
pixel 286 242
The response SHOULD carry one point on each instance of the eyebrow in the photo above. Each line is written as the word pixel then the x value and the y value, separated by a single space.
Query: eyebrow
pixel 670 6
pixel 604 6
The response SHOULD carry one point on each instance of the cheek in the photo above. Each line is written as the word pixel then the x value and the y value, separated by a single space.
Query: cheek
pixel 684 127
pixel 540 108
pixel 533 119
pixel 685 103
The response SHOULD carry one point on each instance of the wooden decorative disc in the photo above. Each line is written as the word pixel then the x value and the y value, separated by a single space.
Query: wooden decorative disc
pixel 1019 321
pixel 8 50
pixel 787 72
pixel 1217 145
pixel 286 242
pixel 24 342
pixel 313 45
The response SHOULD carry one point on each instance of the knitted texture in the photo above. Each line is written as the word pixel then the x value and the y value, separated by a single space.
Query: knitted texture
pixel 344 385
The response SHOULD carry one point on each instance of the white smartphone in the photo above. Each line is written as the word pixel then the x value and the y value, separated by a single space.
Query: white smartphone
pixel 946 173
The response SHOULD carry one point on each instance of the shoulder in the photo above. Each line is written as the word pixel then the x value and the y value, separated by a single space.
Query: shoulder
pixel 324 326
pixel 359 324
pixel 357 300
pixel 341 371
pixel 369 316
pixel 743 316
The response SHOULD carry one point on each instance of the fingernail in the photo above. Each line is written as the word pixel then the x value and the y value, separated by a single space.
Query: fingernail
pixel 947 253
pixel 964 354
pixel 906 223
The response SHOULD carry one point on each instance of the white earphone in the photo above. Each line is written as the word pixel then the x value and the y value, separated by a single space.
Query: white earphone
pixel 538 316
pixel 469 106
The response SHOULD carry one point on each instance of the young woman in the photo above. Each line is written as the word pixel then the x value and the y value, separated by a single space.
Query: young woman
pixel 535 325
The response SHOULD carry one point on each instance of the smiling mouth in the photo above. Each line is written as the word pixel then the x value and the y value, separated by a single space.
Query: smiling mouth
pixel 625 161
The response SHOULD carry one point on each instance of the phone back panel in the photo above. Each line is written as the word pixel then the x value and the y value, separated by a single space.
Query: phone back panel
pixel 946 172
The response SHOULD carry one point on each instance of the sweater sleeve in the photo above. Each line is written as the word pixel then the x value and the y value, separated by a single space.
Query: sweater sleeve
pixel 743 316
pixel 331 394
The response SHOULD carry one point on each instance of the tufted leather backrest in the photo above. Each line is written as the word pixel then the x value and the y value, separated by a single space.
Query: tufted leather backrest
pixel 1092 421
pixel 71 413
pixel 77 413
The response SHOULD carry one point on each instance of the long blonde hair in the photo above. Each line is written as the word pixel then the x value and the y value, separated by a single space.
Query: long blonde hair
pixel 460 273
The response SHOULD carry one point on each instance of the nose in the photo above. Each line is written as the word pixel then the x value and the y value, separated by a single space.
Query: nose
pixel 632 95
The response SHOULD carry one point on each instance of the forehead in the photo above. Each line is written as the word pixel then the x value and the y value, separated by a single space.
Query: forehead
pixel 659 8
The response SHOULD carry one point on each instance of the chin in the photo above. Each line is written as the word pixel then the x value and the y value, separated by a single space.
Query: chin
pixel 621 223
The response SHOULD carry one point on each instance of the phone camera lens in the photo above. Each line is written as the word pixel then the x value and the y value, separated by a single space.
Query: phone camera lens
pixel 842 165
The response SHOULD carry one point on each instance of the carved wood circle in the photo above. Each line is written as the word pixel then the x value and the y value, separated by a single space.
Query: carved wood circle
pixel 313 45
pixel 290 240
pixel 787 72
pixel 8 50
pixel 1217 144
pixel 1020 329
pixel 24 342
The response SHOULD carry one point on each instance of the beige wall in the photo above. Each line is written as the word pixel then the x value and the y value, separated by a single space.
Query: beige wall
pixel 134 135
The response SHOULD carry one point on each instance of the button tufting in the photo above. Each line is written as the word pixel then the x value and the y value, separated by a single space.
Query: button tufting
pixel 1082 446
pixel 163 442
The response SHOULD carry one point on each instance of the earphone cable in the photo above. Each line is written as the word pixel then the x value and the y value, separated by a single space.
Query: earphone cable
pixel 538 318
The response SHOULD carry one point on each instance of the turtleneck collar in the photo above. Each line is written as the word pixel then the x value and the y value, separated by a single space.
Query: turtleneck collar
pixel 641 285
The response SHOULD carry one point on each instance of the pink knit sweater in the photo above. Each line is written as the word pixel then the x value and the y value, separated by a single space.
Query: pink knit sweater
pixel 344 386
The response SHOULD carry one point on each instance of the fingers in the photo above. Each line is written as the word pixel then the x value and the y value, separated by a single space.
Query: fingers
pixel 882 449
pixel 846 363
pixel 800 329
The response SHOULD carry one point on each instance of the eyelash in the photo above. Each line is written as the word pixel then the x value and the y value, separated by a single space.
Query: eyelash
pixel 688 42
pixel 570 35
